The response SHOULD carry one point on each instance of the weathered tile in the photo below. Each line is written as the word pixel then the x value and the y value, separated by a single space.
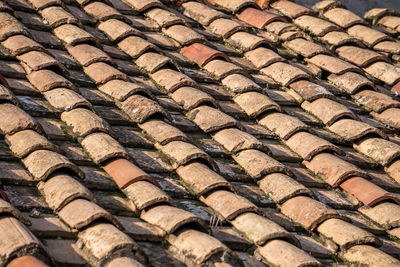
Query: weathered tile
pixel 101 147
pixel 360 255
pixel 145 194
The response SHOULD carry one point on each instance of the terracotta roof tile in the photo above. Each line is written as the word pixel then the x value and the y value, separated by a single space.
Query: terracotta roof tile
pixel 145 194
pixel 64 99
pixel 384 71
pixel 375 101
pixel 310 91
pixel 389 116
pixel 19 44
pixel 316 26
pixel 101 147
pixel 308 145
pixel 385 214
pixel 183 35
pixel 332 169
pixel 121 90
pixel 10 26
pixel 152 62
pixel 292 255
pixel 351 130
pixel 72 34
pixel 124 30
pixel 346 234
pixel 84 122
pixel 45 80
pixel 72 189
pixel 359 56
pixel 233 6
pixel 38 60
pixel 169 218
pixel 282 124
pixel 343 17
pixel 235 140
pixel 27 261
pixel 200 12
pixel 281 187
pixel 258 18
pixel 263 57
pixel 172 80
pixel 102 12
pixel 148 108
pixel 327 110
pixel 56 16
pixel 104 239
pixel 190 98
pixel 305 48
pixel 368 35
pixel 284 73
pixel 258 164
pixel 246 41
pixel 21 149
pixel 382 151
pixel 333 64
pixel 227 204
pixel 86 54
pixel 254 103
pixel 358 254
pixel 143 5
pixel 290 9
pixel 15 120
pixel 163 17
pixel 351 82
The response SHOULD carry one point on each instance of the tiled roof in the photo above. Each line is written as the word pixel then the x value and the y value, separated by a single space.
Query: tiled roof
pixel 218 133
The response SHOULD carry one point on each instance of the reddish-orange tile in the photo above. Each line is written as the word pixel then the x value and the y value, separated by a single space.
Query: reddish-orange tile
pixel 258 18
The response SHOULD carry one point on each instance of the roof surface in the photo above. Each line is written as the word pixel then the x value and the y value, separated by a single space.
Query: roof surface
pixel 219 133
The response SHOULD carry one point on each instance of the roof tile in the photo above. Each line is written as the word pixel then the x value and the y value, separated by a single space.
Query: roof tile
pixel 227 204
pixel 351 82
pixel 163 132
pixel 135 46
pixel 224 27
pixel 10 26
pixel 26 260
pixel 332 169
pixel 388 46
pixel 308 145
pixel 79 213
pixel 169 218
pixel 307 211
pixel 385 72
pixel 182 153
pixel 41 4
pixel 211 119
pixel 290 254
pixel 201 179
pixel 262 57
pixel 143 5
pixel 386 214
pixel 235 140
pixel 360 255
pixel 19 44
pixel 183 35
pixel 162 41
pixel 190 98
pixel 37 60
pixel 305 47
pixel 346 234
pixel 333 64
pixel 367 192
pixel 221 69
pixel 259 229
pixel 152 62
pixel 381 150
pixel 246 41
pixel 258 164
pixel 390 116
pixel 15 238
pixel 283 125
pixel 72 34
pixel 375 101
pixel 71 189
pixel 351 130
pixel 316 26
pixel 117 30
pixel 45 80
pixel 6 209
pixel 310 91
pixel 163 17
pixel 15 119
pixel 103 239
pixel 64 99
pixel 337 38
pixel 101 73
pixel 368 35
pixel 254 103
pixel 101 147
pixel 327 110
pixel 87 54
pixel 56 16
pixel 21 148
pixel 202 54
pixel 140 108
pixel 232 5
pixel 258 18
pixel 42 163
pixel 84 122
pixel 359 56
pixel 284 73
pixel 145 194
pixel 291 9
pixel 238 83
pixel 343 17
pixel 102 12
pixel 124 261
pixel 121 90
pixel 281 187
pixel 197 245
pixel 172 80
pixel 200 12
